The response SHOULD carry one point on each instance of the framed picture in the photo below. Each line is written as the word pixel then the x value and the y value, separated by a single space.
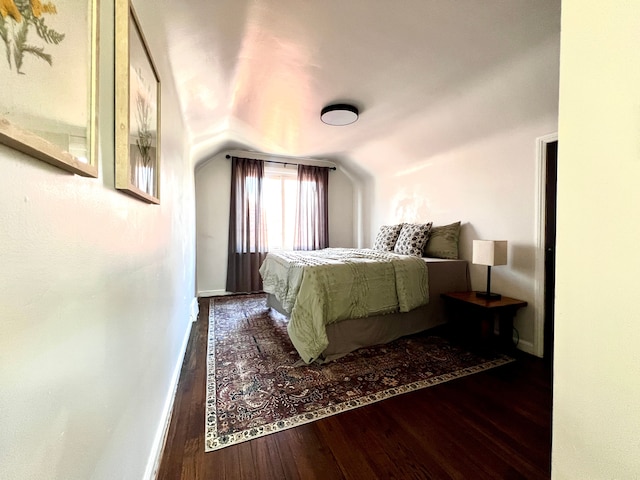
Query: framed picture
pixel 48 99
pixel 137 110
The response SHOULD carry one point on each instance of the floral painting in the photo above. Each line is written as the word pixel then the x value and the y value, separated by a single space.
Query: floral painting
pixel 20 19
pixel 48 66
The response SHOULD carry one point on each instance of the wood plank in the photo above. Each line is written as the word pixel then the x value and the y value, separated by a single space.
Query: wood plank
pixel 304 454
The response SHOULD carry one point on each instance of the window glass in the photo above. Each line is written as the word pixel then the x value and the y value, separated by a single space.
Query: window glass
pixel 280 190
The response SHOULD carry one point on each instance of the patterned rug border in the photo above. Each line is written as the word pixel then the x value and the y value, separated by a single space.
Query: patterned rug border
pixel 213 442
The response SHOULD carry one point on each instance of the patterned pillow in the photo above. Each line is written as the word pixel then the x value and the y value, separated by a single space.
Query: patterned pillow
pixel 387 236
pixel 443 241
pixel 412 239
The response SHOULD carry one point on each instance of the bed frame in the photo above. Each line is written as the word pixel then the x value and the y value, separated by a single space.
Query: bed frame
pixel 346 336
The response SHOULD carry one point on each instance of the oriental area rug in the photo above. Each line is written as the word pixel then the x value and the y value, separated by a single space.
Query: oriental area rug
pixel 256 384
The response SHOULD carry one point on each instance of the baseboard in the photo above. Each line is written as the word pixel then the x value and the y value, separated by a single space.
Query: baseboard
pixel 194 310
pixel 527 347
pixel 153 464
pixel 211 293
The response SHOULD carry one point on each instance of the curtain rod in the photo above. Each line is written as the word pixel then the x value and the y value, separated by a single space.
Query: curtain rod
pixel 285 163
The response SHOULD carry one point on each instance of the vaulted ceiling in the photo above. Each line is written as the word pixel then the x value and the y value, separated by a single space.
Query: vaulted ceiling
pixel 425 74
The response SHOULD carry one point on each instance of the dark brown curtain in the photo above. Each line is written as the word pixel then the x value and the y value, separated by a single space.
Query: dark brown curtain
pixel 312 209
pixel 247 226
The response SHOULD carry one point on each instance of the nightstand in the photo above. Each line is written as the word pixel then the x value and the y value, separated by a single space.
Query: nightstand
pixel 473 318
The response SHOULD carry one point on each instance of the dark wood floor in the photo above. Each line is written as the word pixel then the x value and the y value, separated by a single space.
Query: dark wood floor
pixel 493 425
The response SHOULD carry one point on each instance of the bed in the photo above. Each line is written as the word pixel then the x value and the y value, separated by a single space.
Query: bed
pixel 338 300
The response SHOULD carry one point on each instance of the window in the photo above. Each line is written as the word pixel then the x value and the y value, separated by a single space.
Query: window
pixel 280 190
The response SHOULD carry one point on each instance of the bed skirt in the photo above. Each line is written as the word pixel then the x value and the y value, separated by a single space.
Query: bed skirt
pixel 348 335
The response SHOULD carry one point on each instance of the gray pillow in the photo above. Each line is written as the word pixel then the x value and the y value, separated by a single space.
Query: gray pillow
pixel 443 241
pixel 412 239
pixel 387 236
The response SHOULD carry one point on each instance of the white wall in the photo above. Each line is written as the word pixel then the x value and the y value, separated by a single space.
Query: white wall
pixel 482 169
pixel 596 409
pixel 213 188
pixel 95 296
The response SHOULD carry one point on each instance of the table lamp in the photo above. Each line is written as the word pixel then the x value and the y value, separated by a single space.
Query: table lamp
pixel 489 253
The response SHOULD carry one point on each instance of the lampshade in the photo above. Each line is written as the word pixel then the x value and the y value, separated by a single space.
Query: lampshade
pixel 490 252
pixel 339 114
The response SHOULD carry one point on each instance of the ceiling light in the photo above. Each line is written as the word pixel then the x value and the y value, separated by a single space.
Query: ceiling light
pixel 339 114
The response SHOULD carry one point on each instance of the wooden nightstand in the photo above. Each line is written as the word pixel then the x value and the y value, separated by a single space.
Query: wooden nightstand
pixel 473 318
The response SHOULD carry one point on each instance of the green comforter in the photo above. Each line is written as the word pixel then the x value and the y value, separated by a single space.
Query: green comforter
pixel 320 287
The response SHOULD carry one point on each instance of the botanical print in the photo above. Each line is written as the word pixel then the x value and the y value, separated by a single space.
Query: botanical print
pixel 143 117
pixel 18 18
pixel 50 113
pixel 144 125
pixel 137 110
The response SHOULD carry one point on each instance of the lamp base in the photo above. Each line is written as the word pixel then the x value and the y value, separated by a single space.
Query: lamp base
pixel 489 295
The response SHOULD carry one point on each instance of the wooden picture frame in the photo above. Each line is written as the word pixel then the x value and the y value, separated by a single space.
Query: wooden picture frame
pixel 137 110
pixel 49 95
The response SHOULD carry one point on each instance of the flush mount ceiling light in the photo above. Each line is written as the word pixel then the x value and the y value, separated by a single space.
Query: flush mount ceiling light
pixel 339 114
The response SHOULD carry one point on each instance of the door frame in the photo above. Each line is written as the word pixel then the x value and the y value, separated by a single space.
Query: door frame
pixel 540 217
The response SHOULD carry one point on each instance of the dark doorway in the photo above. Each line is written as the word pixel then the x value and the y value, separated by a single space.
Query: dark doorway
pixel 551 169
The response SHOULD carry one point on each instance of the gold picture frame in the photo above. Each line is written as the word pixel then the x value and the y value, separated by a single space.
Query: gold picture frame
pixel 137 136
pixel 49 99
